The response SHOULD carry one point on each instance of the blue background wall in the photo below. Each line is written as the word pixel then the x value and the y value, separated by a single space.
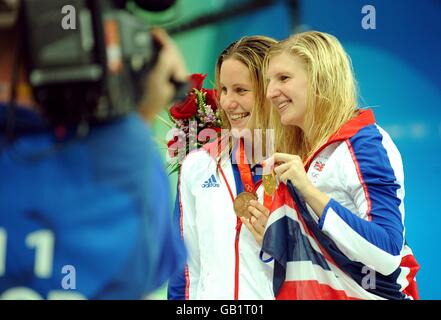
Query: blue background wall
pixel 398 68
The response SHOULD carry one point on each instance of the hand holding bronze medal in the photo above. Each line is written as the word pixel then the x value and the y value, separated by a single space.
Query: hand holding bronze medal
pixel 242 202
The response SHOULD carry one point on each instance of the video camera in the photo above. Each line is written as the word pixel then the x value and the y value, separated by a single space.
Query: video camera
pixel 87 60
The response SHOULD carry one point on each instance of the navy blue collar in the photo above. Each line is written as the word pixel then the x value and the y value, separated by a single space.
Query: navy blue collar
pixel 255 171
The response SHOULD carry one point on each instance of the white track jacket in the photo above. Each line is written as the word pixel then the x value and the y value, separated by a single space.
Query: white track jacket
pixel 223 256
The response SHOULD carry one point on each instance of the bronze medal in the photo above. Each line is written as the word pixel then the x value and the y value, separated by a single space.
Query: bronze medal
pixel 242 202
pixel 269 183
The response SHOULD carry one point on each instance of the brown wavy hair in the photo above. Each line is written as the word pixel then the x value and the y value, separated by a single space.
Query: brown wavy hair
pixel 251 51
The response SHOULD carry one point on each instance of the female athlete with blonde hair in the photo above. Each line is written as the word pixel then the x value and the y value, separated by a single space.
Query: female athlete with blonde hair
pixel 347 170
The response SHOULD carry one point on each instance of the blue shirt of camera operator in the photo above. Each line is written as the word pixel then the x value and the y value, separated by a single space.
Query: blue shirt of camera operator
pixel 91 220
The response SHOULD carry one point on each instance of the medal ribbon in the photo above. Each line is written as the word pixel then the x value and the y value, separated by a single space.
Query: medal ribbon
pixel 248 186
pixel 267 200
pixel 246 177
pixel 244 168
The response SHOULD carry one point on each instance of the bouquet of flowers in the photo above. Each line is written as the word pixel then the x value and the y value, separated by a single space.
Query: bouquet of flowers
pixel 196 121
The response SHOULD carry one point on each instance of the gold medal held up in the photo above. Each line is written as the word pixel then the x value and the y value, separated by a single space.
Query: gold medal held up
pixel 269 183
pixel 242 202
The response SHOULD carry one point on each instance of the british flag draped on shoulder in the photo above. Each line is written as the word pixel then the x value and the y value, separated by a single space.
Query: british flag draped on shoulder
pixel 346 254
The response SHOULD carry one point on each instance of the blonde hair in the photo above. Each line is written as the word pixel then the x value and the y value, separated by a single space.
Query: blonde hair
pixel 331 96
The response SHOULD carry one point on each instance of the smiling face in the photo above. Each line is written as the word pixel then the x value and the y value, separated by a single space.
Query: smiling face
pixel 237 97
pixel 287 88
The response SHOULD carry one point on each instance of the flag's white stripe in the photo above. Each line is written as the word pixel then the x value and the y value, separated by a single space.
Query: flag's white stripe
pixel 356 291
pixel 336 279
pixel 357 248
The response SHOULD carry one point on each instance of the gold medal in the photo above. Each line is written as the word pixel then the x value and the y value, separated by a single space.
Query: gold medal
pixel 269 183
pixel 242 202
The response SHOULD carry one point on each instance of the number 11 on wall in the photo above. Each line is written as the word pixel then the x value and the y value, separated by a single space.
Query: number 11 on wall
pixel 43 242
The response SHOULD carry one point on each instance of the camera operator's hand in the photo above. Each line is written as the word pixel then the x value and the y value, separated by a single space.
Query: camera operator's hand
pixel 159 90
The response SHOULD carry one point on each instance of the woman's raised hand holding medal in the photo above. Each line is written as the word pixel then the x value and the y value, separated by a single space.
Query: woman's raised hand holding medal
pixel 257 214
pixel 257 223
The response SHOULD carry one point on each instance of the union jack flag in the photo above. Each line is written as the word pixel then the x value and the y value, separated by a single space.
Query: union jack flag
pixel 308 265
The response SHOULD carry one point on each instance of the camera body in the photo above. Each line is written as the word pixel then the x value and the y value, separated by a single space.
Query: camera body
pixel 86 59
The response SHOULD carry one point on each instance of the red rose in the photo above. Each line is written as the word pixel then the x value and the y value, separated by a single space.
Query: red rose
pixel 197 80
pixel 211 98
pixel 186 109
